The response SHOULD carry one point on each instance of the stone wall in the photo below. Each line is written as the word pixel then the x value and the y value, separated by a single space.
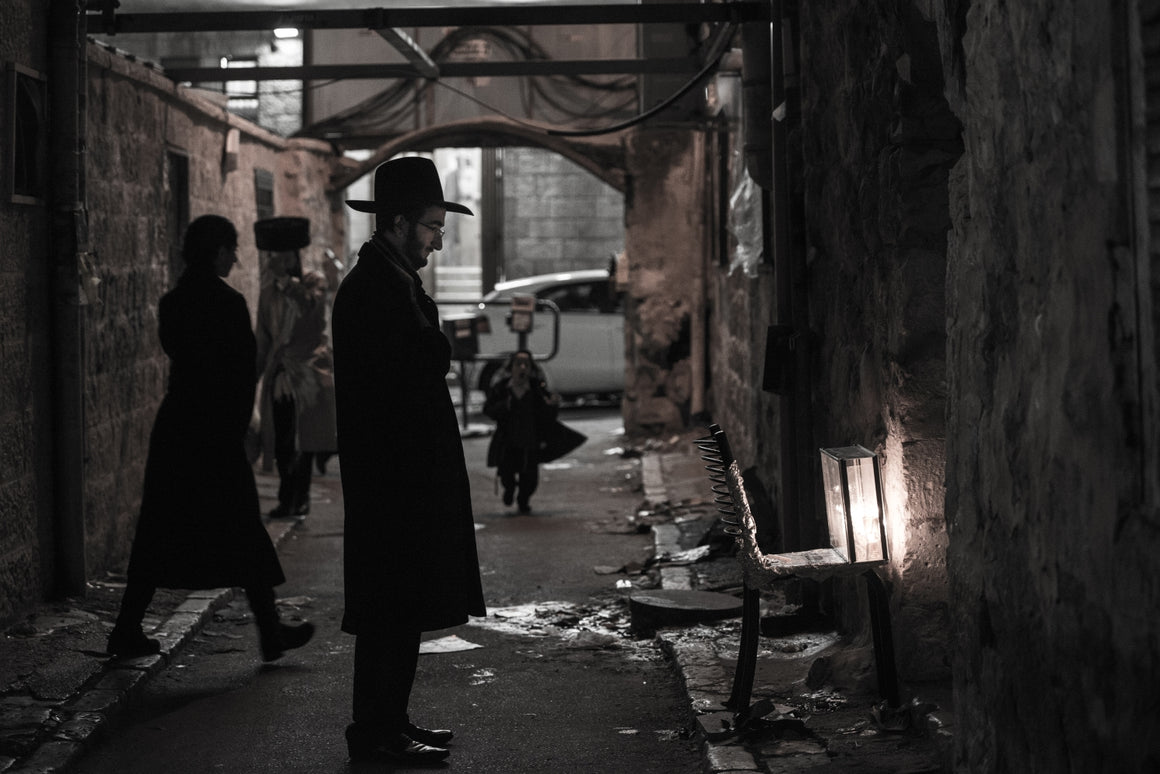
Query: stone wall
pixel 26 531
pixel 1051 466
pixel 740 311
pixel 667 240
pixel 301 183
pixel 136 120
pixel 878 141
pixel 556 216
pixel 875 144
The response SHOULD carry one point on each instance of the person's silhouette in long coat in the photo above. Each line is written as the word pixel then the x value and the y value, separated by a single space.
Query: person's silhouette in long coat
pixel 200 524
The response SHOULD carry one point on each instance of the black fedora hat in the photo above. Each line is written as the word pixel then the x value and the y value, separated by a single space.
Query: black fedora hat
pixel 404 184
pixel 282 233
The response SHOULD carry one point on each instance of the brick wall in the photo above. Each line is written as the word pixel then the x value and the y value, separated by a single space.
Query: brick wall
pixel 557 216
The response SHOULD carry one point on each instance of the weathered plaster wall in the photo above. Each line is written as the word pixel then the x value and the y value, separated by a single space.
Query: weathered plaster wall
pixel 26 534
pixel 135 119
pixel 1053 549
pixel 878 139
pixel 664 317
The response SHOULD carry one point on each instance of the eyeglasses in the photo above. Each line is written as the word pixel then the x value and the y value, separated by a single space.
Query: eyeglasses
pixel 434 229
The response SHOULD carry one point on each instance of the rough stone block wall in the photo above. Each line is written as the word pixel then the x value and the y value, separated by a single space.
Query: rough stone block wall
pixel 300 186
pixel 125 370
pixel 878 139
pixel 557 216
pixel 135 119
pixel 740 311
pixel 26 535
pixel 667 242
pixel 1053 541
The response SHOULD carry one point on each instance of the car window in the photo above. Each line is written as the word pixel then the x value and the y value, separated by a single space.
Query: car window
pixel 607 300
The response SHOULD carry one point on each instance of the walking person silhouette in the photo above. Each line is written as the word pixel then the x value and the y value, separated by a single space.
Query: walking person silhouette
pixel 200 523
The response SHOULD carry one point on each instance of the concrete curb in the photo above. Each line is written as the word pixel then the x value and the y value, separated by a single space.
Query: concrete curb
pixel 102 700
pixel 706 683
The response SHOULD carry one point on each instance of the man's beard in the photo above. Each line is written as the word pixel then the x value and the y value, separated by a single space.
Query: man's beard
pixel 413 248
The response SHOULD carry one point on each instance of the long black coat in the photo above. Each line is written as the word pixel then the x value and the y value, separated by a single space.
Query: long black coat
pixel 553 438
pixel 501 406
pixel 409 544
pixel 200 524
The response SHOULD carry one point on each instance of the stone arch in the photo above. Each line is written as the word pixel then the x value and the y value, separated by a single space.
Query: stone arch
pixel 603 155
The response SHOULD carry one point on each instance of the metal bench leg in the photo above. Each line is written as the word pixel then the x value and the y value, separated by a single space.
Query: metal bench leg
pixel 747 653
pixel 883 638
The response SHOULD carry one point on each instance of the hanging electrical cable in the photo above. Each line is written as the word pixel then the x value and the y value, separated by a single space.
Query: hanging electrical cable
pixel 569 95
pixel 383 112
pixel 714 60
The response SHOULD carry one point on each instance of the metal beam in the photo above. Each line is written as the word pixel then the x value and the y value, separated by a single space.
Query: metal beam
pixel 446 70
pixel 386 18
pixel 406 46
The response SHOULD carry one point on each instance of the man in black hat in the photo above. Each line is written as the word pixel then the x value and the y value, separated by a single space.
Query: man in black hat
pixel 410 558
pixel 294 361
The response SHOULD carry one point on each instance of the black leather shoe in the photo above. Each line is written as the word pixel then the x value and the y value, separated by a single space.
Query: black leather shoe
pixel 435 737
pixel 400 748
pixel 282 511
pixel 132 644
pixel 284 638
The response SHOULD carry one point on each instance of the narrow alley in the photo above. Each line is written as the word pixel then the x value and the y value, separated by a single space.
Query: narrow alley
pixel 555 678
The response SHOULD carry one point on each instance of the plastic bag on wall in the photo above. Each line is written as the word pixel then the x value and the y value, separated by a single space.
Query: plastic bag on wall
pixel 745 224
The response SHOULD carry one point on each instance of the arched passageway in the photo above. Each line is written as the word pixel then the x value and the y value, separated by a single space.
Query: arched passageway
pixel 669 240
pixel 603 155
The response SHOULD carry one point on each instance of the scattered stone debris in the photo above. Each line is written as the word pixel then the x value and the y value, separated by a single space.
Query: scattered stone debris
pixel 603 625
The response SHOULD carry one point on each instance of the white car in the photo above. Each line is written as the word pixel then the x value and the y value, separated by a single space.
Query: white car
pixel 590 357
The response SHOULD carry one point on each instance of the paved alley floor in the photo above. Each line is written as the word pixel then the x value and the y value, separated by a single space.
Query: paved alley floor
pixel 813 705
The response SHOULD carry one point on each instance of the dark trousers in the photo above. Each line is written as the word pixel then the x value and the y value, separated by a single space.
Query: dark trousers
pixel 519 472
pixel 384 671
pixel 293 465
pixel 137 596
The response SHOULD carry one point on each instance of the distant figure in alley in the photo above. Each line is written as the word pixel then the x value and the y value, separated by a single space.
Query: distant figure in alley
pixel 295 362
pixel 410 557
pixel 200 525
pixel 525 413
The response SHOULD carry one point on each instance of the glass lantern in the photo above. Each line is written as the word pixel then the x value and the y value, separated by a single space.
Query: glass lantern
pixel 854 509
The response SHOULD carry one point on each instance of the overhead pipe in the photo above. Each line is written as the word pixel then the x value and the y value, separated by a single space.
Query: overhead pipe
pixel 790 335
pixel 68 237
